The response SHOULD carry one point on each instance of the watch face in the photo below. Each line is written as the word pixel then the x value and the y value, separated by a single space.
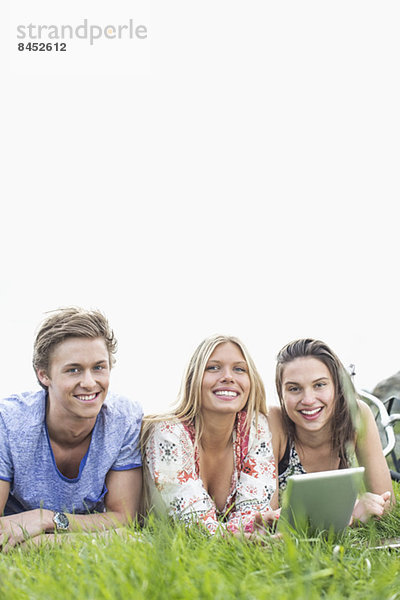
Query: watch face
pixel 61 521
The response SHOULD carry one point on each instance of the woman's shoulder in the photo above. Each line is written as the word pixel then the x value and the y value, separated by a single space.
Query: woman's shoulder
pixel 364 417
pixel 275 419
pixel 261 428
pixel 170 428
pixel 278 431
pixel 259 425
pixel 366 423
pixel 363 407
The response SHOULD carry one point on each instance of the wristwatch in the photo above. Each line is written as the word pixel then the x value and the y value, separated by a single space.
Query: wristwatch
pixel 61 521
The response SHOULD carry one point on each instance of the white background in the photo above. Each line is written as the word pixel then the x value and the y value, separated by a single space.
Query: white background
pixel 235 172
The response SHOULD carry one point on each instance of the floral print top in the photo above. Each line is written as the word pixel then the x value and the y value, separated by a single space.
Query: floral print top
pixel 173 465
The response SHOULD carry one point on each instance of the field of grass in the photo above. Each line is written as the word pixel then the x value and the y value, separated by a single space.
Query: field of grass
pixel 169 562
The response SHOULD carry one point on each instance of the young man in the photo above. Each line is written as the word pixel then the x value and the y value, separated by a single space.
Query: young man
pixel 69 453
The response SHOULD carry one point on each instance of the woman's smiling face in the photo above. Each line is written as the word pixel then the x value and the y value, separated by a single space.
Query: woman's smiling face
pixel 226 382
pixel 308 393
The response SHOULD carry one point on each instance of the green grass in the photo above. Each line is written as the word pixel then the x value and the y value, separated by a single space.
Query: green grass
pixel 170 562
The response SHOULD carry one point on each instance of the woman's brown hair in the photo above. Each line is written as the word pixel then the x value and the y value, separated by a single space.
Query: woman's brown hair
pixel 343 429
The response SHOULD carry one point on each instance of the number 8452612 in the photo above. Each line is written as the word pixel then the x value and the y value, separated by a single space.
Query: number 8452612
pixel 43 47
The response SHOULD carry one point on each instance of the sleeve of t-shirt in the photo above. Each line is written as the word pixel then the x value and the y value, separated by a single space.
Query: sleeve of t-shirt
pixel 129 456
pixel 6 468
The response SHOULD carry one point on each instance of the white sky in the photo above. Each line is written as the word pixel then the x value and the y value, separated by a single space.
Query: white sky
pixel 235 172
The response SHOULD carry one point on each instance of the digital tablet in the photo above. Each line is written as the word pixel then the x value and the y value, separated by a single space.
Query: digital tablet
pixel 320 501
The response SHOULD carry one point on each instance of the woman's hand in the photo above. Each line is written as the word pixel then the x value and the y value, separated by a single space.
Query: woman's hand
pixel 265 521
pixel 370 505
pixel 263 526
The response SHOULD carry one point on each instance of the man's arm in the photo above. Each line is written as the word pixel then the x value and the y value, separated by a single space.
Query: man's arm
pixel 15 528
pixel 121 501
pixel 4 491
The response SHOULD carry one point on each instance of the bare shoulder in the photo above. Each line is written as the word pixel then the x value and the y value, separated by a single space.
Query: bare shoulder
pixel 277 428
pixel 275 416
pixel 367 434
pixel 365 411
pixel 369 452
pixel 363 406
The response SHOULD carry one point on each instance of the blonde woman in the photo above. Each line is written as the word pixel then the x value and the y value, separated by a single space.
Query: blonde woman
pixel 211 461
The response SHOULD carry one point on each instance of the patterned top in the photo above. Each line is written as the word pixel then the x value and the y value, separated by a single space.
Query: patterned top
pixel 289 465
pixel 173 464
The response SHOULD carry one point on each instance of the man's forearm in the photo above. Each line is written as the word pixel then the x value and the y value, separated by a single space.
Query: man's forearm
pixel 98 521
pixel 16 528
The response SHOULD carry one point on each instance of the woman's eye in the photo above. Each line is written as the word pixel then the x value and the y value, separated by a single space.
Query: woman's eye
pixel 293 389
pixel 240 369
pixel 320 384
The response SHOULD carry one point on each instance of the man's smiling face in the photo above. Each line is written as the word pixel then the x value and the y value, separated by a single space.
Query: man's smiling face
pixel 78 377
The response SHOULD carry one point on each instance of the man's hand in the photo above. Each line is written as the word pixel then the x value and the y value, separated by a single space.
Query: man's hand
pixel 15 529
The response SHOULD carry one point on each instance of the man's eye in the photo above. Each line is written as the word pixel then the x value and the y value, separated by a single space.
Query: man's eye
pixel 73 370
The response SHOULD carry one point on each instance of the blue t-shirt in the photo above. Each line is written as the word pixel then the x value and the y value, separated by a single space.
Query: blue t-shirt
pixel 27 460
